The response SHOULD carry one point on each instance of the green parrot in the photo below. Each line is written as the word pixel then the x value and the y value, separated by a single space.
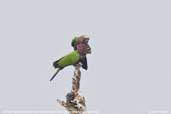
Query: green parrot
pixel 72 58
pixel 78 56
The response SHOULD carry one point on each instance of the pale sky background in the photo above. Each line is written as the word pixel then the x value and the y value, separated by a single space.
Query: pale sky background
pixel 129 68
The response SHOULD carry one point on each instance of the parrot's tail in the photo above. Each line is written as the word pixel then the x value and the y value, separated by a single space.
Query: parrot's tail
pixel 55 74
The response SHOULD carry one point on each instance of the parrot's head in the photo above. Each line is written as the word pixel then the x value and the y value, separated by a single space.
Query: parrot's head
pixel 81 40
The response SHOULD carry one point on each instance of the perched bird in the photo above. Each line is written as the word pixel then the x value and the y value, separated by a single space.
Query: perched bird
pixel 73 58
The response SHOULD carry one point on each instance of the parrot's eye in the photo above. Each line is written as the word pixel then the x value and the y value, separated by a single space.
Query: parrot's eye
pixel 86 40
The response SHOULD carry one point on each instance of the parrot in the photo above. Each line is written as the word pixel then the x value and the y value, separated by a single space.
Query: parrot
pixel 73 58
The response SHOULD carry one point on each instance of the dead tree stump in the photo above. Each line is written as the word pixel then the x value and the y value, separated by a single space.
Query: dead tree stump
pixel 75 103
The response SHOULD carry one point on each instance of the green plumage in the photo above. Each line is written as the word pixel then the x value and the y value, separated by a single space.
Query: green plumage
pixel 69 59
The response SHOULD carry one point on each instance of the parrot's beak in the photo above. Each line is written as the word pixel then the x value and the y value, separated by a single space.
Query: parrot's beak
pixel 89 50
pixel 88 46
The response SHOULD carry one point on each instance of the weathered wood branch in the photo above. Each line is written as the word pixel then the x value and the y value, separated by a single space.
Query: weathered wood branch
pixel 75 103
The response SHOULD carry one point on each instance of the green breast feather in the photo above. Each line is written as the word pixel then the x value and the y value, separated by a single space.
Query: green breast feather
pixel 70 59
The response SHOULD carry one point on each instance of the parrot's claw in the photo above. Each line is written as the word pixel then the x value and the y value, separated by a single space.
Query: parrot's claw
pixel 78 65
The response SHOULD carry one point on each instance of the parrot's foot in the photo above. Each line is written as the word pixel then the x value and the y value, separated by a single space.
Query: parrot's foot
pixel 77 66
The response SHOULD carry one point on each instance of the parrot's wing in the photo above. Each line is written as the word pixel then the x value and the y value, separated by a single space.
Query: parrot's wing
pixel 84 63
